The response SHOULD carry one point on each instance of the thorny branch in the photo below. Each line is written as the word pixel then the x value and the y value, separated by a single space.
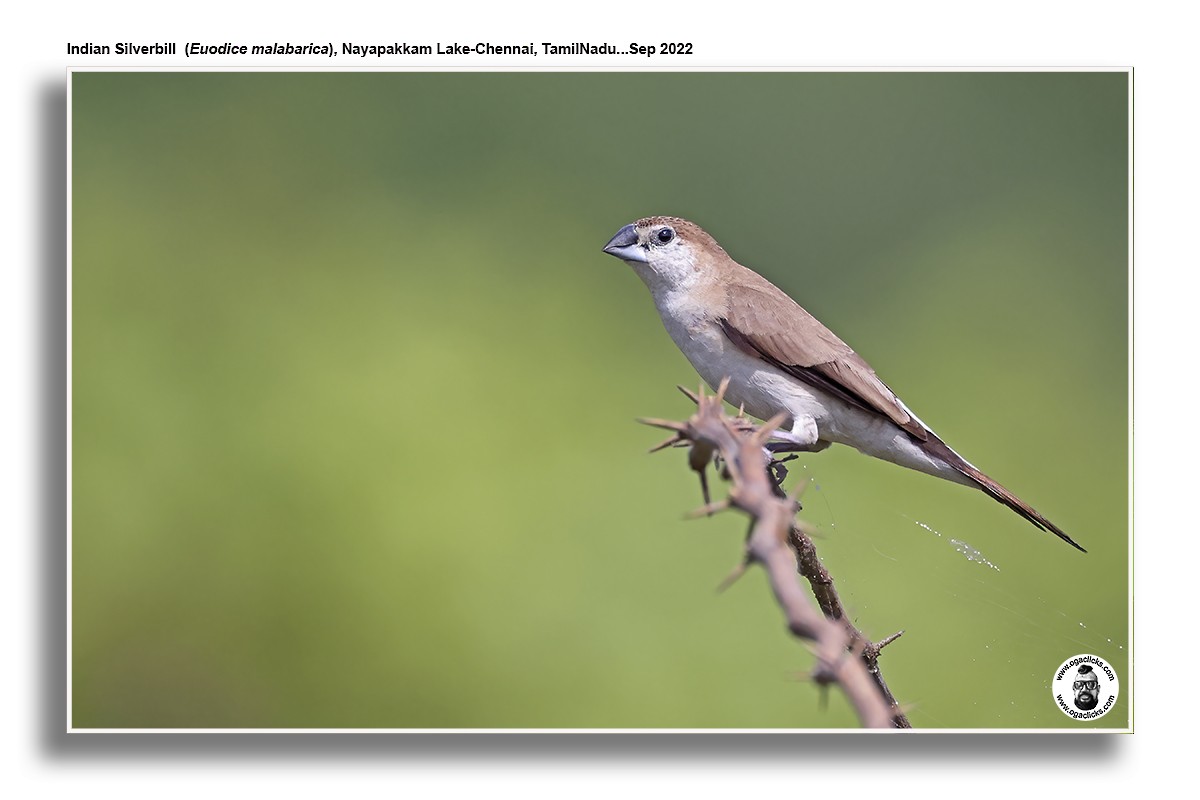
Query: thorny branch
pixel 844 655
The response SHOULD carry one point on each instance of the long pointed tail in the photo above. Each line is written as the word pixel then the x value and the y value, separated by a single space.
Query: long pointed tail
pixel 935 446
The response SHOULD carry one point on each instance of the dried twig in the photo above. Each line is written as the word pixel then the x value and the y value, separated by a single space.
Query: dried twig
pixel 810 566
pixel 782 546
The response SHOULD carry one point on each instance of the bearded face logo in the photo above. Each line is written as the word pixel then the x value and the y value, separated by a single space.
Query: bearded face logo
pixel 1086 687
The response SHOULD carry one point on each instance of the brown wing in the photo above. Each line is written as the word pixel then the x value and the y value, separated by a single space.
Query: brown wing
pixel 762 321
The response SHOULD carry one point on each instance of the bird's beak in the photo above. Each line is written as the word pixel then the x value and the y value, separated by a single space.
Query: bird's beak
pixel 625 246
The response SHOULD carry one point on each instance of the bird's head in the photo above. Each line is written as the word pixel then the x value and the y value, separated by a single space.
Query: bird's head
pixel 667 252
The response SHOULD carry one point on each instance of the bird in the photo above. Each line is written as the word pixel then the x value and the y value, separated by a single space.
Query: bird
pixel 734 325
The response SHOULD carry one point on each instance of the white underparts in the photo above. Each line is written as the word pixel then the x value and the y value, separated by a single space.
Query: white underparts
pixel 814 416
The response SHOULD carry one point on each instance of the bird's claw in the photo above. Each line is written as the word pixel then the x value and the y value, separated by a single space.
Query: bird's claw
pixel 777 469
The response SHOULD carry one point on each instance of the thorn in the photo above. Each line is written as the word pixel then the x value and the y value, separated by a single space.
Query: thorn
pixel 808 529
pixel 884 642
pixel 701 392
pixel 668 424
pixel 798 490
pixel 768 428
pixel 741 411
pixel 704 486
pixel 732 577
pixel 663 445
pixel 690 394
pixel 707 510
pixel 728 424
pixel 823 675
pixel 721 389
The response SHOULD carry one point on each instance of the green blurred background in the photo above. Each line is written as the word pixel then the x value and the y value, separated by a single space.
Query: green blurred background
pixel 354 393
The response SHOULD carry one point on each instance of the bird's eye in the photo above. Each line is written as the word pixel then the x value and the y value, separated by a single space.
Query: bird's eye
pixel 665 235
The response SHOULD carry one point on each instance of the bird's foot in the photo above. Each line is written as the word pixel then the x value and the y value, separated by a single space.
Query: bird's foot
pixel 777 470
pixel 791 445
